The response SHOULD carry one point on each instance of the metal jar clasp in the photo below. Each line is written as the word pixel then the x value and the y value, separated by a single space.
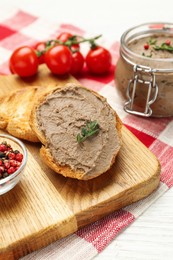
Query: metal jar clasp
pixel 150 82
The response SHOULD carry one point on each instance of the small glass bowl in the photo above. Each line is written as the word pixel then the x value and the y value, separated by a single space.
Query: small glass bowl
pixel 9 182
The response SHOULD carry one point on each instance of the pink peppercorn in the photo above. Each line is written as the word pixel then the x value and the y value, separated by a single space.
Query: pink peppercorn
pixel 146 46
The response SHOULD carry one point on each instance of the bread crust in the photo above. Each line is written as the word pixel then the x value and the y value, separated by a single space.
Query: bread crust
pixel 45 153
pixel 15 111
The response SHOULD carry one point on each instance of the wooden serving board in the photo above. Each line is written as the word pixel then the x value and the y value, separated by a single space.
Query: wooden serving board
pixel 45 206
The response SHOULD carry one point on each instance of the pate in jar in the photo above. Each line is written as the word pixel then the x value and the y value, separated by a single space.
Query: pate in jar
pixel 144 72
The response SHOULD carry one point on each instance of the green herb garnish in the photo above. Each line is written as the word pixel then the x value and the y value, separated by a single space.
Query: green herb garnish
pixel 148 56
pixel 90 129
pixel 152 41
pixel 164 47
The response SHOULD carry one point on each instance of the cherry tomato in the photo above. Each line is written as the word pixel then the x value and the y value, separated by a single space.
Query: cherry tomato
pixel 98 60
pixel 24 62
pixel 40 47
pixel 77 63
pixel 59 59
pixel 65 36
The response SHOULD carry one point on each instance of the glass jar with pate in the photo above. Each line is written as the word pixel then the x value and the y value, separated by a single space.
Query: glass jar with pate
pixel 144 72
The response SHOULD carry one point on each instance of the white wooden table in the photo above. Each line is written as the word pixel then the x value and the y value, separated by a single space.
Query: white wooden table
pixel 151 236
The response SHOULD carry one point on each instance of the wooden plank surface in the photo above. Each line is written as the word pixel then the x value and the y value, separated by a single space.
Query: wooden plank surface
pixel 45 206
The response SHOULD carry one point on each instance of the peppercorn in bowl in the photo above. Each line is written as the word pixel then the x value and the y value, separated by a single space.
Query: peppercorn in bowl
pixel 13 158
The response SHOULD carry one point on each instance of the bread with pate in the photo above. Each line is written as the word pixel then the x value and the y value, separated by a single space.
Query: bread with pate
pixel 61 116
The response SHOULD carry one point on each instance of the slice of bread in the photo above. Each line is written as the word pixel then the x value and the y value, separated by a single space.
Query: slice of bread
pixel 59 116
pixel 15 111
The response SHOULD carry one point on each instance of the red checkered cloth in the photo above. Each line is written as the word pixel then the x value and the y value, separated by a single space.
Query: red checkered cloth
pixel 18 28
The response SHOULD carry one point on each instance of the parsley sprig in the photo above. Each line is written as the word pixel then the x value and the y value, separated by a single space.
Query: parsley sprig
pixel 164 46
pixel 91 128
pixel 152 41
pixel 148 56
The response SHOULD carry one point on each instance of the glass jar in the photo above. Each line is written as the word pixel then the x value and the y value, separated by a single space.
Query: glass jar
pixel 146 81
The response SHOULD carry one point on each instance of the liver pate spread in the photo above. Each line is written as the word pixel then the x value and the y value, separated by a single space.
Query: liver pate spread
pixel 153 56
pixel 62 115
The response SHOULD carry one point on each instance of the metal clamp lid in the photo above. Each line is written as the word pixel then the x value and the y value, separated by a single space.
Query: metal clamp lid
pixel 131 90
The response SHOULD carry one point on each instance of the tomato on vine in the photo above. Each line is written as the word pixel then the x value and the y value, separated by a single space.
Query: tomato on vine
pixel 61 56
pixel 65 36
pixel 40 48
pixel 59 59
pixel 24 62
pixel 98 60
pixel 77 63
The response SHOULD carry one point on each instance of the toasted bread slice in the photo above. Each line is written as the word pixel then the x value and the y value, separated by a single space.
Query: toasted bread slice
pixel 15 111
pixel 60 151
